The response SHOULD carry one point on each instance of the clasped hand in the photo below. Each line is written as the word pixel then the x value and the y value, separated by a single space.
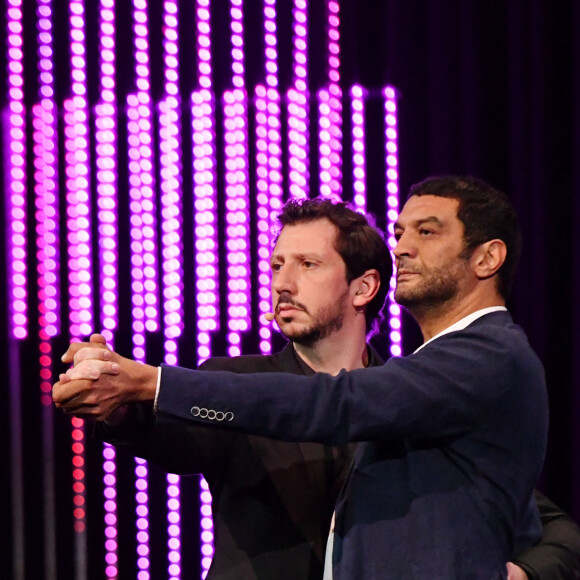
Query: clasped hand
pixel 101 381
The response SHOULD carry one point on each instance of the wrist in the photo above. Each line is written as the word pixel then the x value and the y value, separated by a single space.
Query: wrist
pixel 147 382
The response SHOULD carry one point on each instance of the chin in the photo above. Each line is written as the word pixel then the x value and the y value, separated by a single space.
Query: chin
pixel 292 333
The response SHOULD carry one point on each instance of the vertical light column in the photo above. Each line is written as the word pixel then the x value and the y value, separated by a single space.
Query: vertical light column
pixel 44 120
pixel 106 174
pixel 77 182
pixel 107 216
pixel 330 113
pixel 263 222
pixel 141 101
pixel 46 193
pixel 142 520
pixel 237 190
pixel 16 174
pixel 205 202
pixel 206 525
pixel 204 190
pixel 205 233
pixel 110 505
pixel 357 96
pixel 135 126
pixel 79 247
pixel 138 180
pixel 79 496
pixel 172 246
pixel 142 208
pixel 13 125
pixel 269 164
pixel 298 99
pixel 392 193
pixel 169 130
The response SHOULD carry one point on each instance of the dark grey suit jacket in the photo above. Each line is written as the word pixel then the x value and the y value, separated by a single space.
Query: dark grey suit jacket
pixel 456 437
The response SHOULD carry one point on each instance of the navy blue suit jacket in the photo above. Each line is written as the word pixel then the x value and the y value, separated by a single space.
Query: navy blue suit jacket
pixel 455 441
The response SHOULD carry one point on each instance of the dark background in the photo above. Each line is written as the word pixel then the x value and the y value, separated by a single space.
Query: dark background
pixel 489 88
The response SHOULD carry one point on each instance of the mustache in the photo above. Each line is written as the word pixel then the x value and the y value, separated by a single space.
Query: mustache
pixel 407 268
pixel 285 298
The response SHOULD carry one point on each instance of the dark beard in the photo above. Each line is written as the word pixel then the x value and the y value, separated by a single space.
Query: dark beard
pixel 327 321
pixel 436 291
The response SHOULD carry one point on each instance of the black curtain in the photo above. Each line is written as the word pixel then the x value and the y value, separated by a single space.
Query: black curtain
pixel 492 89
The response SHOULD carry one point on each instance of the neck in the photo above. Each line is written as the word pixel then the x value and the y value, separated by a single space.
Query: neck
pixel 334 353
pixel 434 319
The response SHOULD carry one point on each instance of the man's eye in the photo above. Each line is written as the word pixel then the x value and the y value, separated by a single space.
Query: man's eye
pixel 276 267
pixel 308 264
pixel 425 232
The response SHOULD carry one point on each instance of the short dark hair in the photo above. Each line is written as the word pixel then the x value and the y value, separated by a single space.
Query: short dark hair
pixel 360 244
pixel 486 214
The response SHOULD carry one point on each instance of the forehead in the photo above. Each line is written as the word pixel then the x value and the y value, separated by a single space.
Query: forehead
pixel 425 207
pixel 317 236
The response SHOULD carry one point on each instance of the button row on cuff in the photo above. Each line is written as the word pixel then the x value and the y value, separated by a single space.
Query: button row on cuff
pixel 210 414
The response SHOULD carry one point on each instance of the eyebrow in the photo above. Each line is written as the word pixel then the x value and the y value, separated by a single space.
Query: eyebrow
pixel 428 220
pixel 300 256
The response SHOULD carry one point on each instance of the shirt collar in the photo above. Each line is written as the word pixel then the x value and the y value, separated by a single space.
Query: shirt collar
pixel 464 322
pixel 374 360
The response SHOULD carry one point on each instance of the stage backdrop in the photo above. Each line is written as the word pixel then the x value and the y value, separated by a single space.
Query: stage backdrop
pixel 147 146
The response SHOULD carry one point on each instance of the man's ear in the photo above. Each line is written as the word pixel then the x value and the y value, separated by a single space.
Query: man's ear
pixel 488 258
pixel 366 287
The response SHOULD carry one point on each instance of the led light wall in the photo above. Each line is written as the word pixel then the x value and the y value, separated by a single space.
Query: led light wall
pixel 392 198
pixel 147 152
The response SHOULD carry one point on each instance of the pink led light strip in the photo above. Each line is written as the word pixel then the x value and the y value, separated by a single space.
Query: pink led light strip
pixel 79 245
pixel 170 154
pixel 237 190
pixel 269 167
pixel 44 121
pixel 357 95
pixel 13 124
pixel 298 106
pixel 142 171
pixel 206 246
pixel 77 182
pixel 138 180
pixel 16 203
pixel 106 175
pixel 263 223
pixel 392 179
pixel 107 202
pixel 46 180
pixel 330 114
pixel 171 242
pixel 145 311
pixel 46 199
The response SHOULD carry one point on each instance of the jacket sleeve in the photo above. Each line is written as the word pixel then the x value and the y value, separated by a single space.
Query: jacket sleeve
pixel 443 391
pixel 181 449
pixel 557 555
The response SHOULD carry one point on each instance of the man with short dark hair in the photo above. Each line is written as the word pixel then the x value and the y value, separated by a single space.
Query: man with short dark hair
pixel 436 280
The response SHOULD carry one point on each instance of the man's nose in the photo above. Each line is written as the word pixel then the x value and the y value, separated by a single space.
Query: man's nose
pixel 404 247
pixel 284 280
